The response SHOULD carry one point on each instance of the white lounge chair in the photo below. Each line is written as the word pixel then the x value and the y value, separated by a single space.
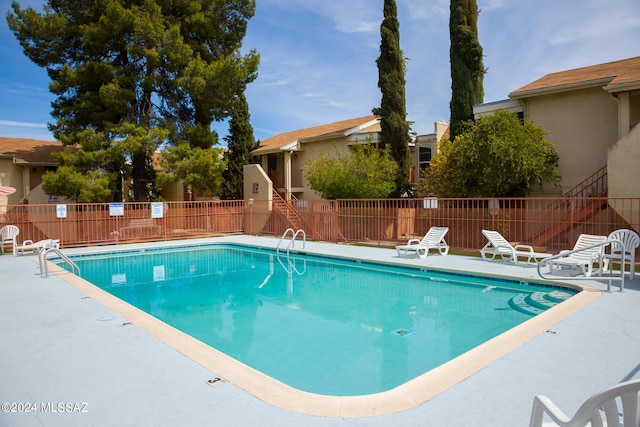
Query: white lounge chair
pixel 434 239
pixel 614 406
pixel 497 245
pixel 28 245
pixel 630 242
pixel 9 233
pixel 588 250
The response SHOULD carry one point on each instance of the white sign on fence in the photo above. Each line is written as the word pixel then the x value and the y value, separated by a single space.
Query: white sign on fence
pixel 116 209
pixel 61 211
pixel 430 203
pixel 157 210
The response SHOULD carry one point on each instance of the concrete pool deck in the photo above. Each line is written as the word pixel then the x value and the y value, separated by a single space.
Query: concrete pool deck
pixel 62 346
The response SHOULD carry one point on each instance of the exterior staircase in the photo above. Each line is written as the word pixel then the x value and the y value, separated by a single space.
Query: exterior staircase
pixel 582 202
pixel 286 209
pixel 296 220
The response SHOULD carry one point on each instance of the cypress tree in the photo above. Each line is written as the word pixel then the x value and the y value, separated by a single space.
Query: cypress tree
pixel 240 143
pixel 393 110
pixel 467 69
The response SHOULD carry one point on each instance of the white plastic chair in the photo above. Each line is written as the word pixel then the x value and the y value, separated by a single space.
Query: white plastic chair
pixel 588 250
pixel 497 245
pixel 615 406
pixel 9 234
pixel 434 239
pixel 630 242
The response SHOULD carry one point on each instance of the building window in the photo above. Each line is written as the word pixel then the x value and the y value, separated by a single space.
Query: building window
pixel 424 157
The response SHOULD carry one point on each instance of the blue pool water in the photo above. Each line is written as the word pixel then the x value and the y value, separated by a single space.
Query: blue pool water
pixel 318 324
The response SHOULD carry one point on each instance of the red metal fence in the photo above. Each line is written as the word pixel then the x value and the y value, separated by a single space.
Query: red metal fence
pixel 104 223
pixel 551 224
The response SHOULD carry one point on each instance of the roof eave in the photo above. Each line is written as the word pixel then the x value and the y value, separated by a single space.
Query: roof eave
pixel 20 162
pixel 290 146
pixel 559 89
pixel 361 127
pixel 623 87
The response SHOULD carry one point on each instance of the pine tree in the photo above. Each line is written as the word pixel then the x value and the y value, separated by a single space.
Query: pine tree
pixel 467 69
pixel 240 143
pixel 131 76
pixel 393 110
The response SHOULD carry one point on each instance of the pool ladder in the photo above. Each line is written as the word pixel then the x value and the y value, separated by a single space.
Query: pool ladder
pixel 42 260
pixel 291 265
pixel 292 242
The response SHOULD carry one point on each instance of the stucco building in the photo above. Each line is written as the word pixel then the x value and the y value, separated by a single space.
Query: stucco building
pixel 23 161
pixel 591 115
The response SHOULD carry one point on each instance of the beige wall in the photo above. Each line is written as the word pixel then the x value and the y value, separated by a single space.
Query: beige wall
pixel 634 103
pixel 257 186
pixel 37 196
pixel 623 166
pixel 173 192
pixel 11 175
pixel 582 125
pixel 312 151
pixel 623 173
pixel 27 180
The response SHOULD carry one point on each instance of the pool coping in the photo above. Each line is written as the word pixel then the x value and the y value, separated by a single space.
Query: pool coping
pixel 406 396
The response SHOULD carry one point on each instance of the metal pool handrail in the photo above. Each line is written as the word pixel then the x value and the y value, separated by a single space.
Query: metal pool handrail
pixel 294 234
pixel 42 259
pixel 545 261
pixel 292 242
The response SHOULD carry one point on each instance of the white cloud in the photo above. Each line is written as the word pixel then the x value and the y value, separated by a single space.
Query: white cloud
pixel 484 5
pixel 419 10
pixel 606 26
pixel 9 123
pixel 16 129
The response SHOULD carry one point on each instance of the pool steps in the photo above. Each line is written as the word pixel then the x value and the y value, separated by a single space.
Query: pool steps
pixel 537 302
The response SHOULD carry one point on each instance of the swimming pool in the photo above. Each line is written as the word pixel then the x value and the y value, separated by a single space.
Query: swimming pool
pixel 328 326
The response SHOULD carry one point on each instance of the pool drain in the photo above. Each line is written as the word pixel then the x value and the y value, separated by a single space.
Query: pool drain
pixel 403 332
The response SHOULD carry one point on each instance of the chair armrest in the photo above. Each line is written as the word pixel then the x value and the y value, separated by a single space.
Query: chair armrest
pixel 413 241
pixel 542 405
pixel 27 242
pixel 527 247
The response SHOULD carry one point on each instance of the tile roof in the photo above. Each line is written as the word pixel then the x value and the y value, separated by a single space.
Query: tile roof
pixel 26 150
pixel 614 75
pixel 336 128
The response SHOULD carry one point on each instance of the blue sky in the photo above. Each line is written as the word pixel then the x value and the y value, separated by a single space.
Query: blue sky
pixel 318 58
